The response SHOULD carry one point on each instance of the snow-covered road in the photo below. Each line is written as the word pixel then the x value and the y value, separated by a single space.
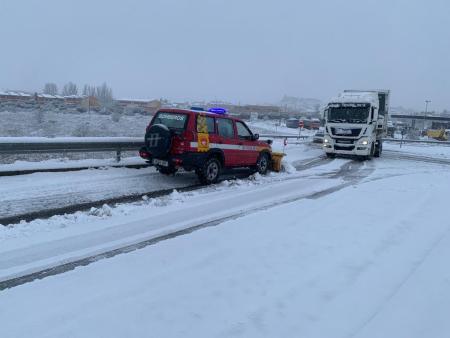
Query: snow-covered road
pixel 340 249
pixel 39 191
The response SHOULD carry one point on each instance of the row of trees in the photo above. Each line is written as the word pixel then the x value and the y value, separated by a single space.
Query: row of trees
pixel 103 93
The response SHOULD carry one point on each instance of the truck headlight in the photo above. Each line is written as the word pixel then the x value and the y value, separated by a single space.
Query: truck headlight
pixel 364 141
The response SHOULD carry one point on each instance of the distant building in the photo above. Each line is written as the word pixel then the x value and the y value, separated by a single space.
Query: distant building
pixel 145 105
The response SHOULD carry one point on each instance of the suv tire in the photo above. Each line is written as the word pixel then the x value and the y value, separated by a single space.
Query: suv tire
pixel 210 171
pixel 262 164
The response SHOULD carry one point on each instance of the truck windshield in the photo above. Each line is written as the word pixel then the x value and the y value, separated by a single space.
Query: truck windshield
pixel 348 114
pixel 171 120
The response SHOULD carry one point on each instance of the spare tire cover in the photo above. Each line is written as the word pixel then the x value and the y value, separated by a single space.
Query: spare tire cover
pixel 158 140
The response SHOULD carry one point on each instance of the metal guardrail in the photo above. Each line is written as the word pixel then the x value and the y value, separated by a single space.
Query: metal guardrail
pixel 285 136
pixel 33 145
pixel 401 141
pixel 30 145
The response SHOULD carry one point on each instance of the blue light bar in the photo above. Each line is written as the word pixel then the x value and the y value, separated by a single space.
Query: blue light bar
pixel 217 110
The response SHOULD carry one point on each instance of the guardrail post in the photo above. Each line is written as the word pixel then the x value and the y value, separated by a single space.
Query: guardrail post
pixel 118 153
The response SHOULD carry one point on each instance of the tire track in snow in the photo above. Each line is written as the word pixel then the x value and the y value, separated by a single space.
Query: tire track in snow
pixel 58 200
pixel 347 170
pixel 398 155
pixel 401 284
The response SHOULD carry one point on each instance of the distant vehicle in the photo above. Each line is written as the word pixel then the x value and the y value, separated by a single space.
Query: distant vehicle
pixel 312 124
pixel 315 123
pixel 318 137
pixel 438 134
pixel 292 123
pixel 356 122
pixel 204 141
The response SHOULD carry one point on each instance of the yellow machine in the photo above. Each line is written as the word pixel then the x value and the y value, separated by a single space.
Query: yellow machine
pixel 438 134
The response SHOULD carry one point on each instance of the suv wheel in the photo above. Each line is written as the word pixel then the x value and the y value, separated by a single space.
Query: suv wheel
pixel 210 171
pixel 262 165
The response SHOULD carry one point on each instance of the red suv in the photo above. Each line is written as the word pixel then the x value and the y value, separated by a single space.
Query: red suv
pixel 204 141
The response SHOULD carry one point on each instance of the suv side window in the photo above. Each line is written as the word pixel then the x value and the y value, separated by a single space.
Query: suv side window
pixel 243 131
pixel 225 128
pixel 209 124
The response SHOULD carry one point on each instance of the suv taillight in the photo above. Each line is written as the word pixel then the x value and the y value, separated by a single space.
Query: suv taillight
pixel 181 142
pixel 178 145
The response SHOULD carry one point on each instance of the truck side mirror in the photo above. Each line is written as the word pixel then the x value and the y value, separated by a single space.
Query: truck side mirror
pixel 255 137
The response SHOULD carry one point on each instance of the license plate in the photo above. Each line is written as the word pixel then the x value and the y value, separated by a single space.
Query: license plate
pixel 160 162
pixel 343 131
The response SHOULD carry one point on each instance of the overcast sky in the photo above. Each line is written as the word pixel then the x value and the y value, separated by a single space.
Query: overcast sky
pixel 248 51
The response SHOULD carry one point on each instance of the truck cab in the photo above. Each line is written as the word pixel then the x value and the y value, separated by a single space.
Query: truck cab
pixel 355 123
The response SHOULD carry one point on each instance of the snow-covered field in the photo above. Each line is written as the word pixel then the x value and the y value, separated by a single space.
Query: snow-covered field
pixel 432 150
pixel 54 124
pixel 274 127
pixel 344 249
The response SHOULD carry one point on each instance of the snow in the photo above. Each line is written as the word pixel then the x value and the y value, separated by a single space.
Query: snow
pixel 339 249
pixel 136 100
pixel 66 163
pixel 300 269
pixel 272 127
pixel 356 97
pixel 433 150
pixel 60 124
pixel 41 191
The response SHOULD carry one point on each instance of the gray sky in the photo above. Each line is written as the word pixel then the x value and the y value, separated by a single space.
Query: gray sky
pixel 237 50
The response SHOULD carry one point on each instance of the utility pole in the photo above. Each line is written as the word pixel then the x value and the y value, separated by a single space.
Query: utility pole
pixel 426 105
pixel 426 111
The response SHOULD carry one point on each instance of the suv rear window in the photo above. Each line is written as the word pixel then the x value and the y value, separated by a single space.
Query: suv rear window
pixel 209 122
pixel 171 120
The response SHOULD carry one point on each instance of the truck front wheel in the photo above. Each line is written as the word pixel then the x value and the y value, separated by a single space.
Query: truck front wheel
pixel 378 149
pixel 371 154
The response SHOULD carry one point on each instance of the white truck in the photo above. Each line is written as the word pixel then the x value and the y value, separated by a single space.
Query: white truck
pixel 355 123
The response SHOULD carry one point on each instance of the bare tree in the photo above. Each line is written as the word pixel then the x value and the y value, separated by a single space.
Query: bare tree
pixel 104 95
pixel 70 89
pixel 89 90
pixel 50 89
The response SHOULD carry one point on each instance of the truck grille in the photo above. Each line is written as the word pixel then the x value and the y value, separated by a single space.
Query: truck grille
pixel 336 147
pixel 338 131
pixel 344 141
